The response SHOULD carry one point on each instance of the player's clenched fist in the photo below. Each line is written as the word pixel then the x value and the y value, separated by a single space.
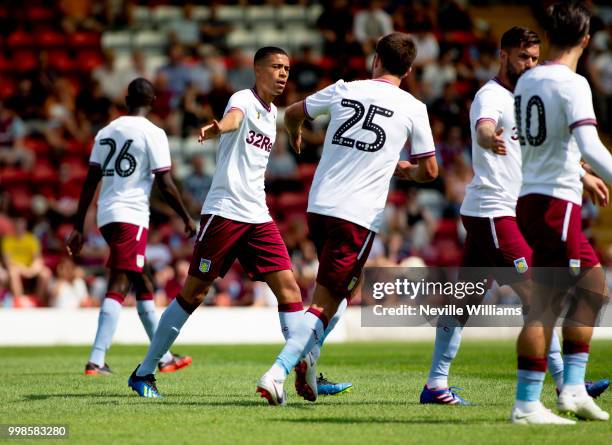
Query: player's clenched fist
pixel 209 131
pixel 498 145
pixel 190 228
pixel 295 139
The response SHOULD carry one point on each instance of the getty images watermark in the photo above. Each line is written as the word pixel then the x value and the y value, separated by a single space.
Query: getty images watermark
pixel 423 296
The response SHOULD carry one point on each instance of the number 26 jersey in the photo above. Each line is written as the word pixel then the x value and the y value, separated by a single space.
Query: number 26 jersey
pixel 129 151
pixel 370 122
pixel 550 101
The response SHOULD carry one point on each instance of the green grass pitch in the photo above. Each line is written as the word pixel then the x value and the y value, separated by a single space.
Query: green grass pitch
pixel 214 401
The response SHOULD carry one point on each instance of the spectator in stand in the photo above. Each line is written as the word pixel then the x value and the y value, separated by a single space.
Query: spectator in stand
pixel 370 24
pixel 450 108
pixel 136 68
pixel 218 96
pixel 306 70
pixel 196 185
pixel 436 75
pixel 184 30
pixel 110 78
pixel 92 107
pixel 12 132
pixel 427 45
pixel 453 17
pixel 601 75
pixel 77 16
pixel 214 30
pixel 240 74
pixel 336 25
pixel 177 74
pixel 21 254
pixel 69 290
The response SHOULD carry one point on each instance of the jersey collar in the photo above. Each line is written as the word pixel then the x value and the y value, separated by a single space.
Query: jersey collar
pixel 261 101
pixel 498 80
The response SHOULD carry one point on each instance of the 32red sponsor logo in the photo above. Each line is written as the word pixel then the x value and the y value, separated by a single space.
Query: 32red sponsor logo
pixel 259 140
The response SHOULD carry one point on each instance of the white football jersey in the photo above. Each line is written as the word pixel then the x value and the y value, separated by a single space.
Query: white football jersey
pixel 496 183
pixel 237 190
pixel 551 100
pixel 129 151
pixel 370 121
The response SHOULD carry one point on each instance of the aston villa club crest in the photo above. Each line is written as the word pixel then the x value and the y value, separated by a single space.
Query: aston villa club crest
pixel 258 115
pixel 352 283
pixel 204 265
pixel 574 266
pixel 521 265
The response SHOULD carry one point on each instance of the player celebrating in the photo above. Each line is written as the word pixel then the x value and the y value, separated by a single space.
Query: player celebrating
pixel 235 222
pixel 128 154
pixel 488 210
pixel 370 123
pixel 556 125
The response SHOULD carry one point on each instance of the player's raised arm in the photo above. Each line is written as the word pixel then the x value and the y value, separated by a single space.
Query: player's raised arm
pixel 230 122
pixel 74 243
pixel 489 138
pixel 294 118
pixel 168 189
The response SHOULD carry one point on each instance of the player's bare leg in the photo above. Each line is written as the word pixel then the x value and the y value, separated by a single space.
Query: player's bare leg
pixel 110 309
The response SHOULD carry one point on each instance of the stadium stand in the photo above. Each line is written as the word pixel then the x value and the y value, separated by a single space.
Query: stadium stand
pixel 64 67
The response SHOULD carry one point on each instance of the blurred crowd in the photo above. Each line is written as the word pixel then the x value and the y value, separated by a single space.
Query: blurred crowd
pixel 56 94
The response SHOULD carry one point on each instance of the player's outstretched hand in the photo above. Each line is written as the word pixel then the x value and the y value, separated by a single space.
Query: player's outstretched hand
pixel 296 141
pixel 499 145
pixel 597 189
pixel 190 228
pixel 209 131
pixel 74 243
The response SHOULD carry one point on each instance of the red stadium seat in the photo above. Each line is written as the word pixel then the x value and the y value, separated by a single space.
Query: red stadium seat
pixel 38 146
pixel 82 39
pixel 19 39
pixel 44 174
pixel 11 177
pixel 50 39
pixel 38 13
pixel 5 63
pixel 21 200
pixel 88 60
pixel 24 61
pixel 7 88
pixel 61 61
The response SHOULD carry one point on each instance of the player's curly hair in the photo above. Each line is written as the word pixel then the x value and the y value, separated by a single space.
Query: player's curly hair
pixel 397 52
pixel 567 23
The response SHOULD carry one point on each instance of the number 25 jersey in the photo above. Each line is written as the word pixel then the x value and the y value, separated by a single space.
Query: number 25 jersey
pixel 129 151
pixel 370 121
pixel 550 101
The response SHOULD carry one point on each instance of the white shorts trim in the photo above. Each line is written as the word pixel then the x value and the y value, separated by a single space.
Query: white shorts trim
pixel 566 220
pixel 494 232
pixel 139 234
pixel 201 236
pixel 367 240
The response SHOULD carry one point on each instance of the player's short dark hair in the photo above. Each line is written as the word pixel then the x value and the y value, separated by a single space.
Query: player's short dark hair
pixel 140 93
pixel 567 23
pixel 266 51
pixel 396 52
pixel 518 36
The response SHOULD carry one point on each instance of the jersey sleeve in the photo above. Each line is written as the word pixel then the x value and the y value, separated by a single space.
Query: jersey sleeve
pixel 421 138
pixel 578 104
pixel 238 101
pixel 95 156
pixel 320 102
pixel 486 107
pixel 159 152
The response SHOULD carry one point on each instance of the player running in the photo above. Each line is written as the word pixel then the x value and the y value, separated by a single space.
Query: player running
pixel 236 223
pixel 556 126
pixel 370 123
pixel 488 210
pixel 128 155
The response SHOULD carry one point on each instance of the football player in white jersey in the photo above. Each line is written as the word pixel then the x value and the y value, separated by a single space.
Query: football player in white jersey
pixel 236 223
pixel 371 120
pixel 128 155
pixel 488 211
pixel 556 127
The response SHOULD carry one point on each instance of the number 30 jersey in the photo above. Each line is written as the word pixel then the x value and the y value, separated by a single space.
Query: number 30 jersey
pixel 129 151
pixel 550 101
pixel 370 122
pixel 237 190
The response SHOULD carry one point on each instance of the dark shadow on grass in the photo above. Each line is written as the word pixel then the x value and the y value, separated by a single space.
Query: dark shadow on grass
pixel 36 397
pixel 379 420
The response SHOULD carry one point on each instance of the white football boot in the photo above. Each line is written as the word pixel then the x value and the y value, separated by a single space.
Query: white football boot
pixel 306 378
pixel 272 389
pixel 581 405
pixel 539 416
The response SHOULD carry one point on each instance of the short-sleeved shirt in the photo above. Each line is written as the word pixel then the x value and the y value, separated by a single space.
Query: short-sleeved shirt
pixel 21 250
pixel 237 190
pixel 495 186
pixel 551 100
pixel 370 123
pixel 129 151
